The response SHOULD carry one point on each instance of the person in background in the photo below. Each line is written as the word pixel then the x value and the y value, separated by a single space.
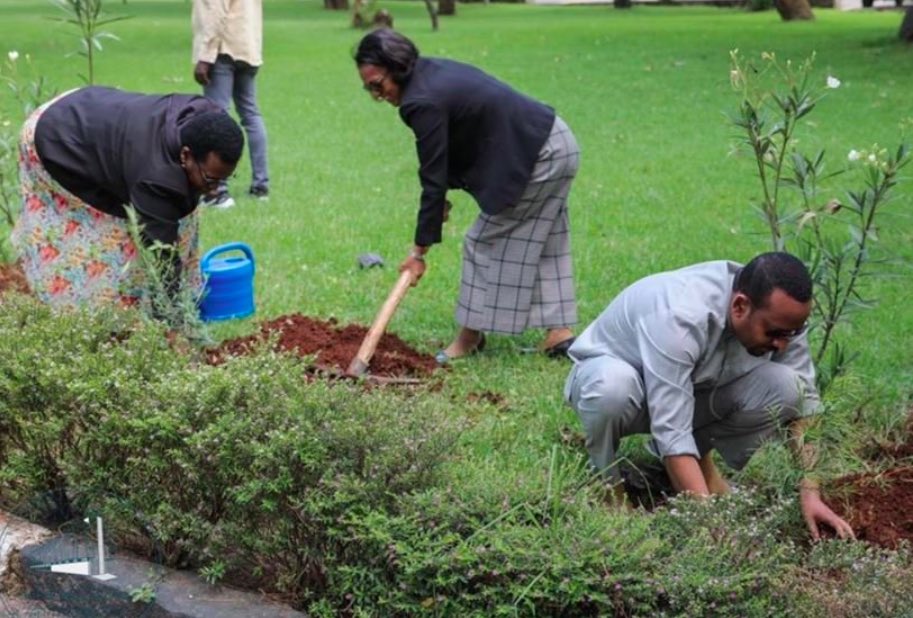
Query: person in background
pixel 711 357
pixel 516 158
pixel 87 155
pixel 227 54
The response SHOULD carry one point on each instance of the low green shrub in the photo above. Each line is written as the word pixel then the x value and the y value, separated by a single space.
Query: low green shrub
pixel 537 547
pixel 725 556
pixel 851 580
pixel 494 544
pixel 247 464
pixel 356 502
pixel 759 5
pixel 61 375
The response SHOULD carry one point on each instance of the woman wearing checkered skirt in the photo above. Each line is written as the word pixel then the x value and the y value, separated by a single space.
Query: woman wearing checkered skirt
pixel 516 158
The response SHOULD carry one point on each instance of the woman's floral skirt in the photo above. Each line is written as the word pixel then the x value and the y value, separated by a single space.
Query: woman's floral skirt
pixel 74 255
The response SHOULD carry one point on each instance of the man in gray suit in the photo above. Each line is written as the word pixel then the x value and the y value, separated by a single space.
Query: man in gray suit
pixel 709 357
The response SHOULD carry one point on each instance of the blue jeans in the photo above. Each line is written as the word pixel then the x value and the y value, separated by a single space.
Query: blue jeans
pixel 233 80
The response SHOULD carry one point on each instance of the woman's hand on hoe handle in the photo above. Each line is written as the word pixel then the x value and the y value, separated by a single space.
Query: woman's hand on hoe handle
pixel 415 263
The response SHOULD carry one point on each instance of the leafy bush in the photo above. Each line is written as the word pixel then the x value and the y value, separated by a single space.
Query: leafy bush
pixel 725 556
pixel 246 464
pixel 549 546
pixel 60 375
pixel 342 499
pixel 836 238
pixel 759 5
pixel 496 545
pixel 851 580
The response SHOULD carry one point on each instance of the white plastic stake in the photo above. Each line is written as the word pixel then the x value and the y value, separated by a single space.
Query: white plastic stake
pixel 101 545
pixel 100 529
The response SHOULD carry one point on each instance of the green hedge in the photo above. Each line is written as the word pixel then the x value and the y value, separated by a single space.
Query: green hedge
pixel 357 502
pixel 247 465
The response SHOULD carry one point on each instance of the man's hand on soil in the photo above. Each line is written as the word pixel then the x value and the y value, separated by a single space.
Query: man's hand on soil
pixel 816 512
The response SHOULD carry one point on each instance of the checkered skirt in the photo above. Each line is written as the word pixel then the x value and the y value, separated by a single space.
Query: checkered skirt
pixel 517 271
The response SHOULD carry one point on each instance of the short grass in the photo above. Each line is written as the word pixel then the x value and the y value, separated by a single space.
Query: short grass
pixel 647 93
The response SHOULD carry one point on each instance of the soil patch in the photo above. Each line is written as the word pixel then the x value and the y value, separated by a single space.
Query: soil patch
pixel 493 399
pixel 12 279
pixel 879 507
pixel 334 346
pixel 16 606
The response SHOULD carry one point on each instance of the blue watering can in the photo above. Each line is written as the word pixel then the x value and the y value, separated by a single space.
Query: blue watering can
pixel 228 290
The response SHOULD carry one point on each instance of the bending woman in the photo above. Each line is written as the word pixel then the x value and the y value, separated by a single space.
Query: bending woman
pixel 516 158
pixel 84 157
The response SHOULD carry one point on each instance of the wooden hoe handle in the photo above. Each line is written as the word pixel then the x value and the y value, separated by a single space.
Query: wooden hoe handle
pixel 362 359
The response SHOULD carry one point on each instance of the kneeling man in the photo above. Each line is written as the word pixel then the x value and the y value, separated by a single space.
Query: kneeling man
pixel 709 357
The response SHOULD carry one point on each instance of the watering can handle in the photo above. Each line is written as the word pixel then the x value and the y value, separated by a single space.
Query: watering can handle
pixel 232 246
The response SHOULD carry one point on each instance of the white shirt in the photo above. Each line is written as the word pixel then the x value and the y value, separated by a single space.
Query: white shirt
pixel 232 27
pixel 672 327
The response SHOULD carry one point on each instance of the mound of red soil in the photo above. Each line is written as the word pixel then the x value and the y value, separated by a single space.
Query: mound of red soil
pixel 12 279
pixel 879 507
pixel 334 346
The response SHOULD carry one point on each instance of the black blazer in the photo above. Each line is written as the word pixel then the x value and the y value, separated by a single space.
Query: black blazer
pixel 111 148
pixel 472 132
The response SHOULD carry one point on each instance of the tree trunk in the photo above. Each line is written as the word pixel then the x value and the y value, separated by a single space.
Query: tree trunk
pixel 794 9
pixel 336 5
pixel 358 20
pixel 446 7
pixel 906 28
pixel 432 12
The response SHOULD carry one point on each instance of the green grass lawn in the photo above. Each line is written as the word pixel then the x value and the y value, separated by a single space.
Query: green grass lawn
pixel 647 94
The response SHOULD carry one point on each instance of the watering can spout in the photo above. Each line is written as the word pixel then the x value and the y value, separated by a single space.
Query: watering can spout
pixel 228 290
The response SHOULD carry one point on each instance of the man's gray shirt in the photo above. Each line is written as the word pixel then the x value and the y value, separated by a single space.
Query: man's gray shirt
pixel 672 328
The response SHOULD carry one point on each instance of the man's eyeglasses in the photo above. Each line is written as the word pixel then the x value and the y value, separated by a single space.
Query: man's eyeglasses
pixel 782 333
pixel 208 180
pixel 376 86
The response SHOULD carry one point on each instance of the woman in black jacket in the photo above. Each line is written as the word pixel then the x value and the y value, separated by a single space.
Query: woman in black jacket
pixel 516 158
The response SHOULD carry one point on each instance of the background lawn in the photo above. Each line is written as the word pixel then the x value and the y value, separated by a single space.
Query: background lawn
pixel 647 94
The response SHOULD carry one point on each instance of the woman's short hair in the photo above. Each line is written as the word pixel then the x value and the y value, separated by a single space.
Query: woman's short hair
pixel 213 132
pixel 388 49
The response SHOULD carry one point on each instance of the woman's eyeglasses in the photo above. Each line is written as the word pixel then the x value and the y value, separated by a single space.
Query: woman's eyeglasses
pixel 376 86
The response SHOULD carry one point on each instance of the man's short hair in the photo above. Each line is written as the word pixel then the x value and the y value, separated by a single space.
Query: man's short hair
pixel 213 132
pixel 770 271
